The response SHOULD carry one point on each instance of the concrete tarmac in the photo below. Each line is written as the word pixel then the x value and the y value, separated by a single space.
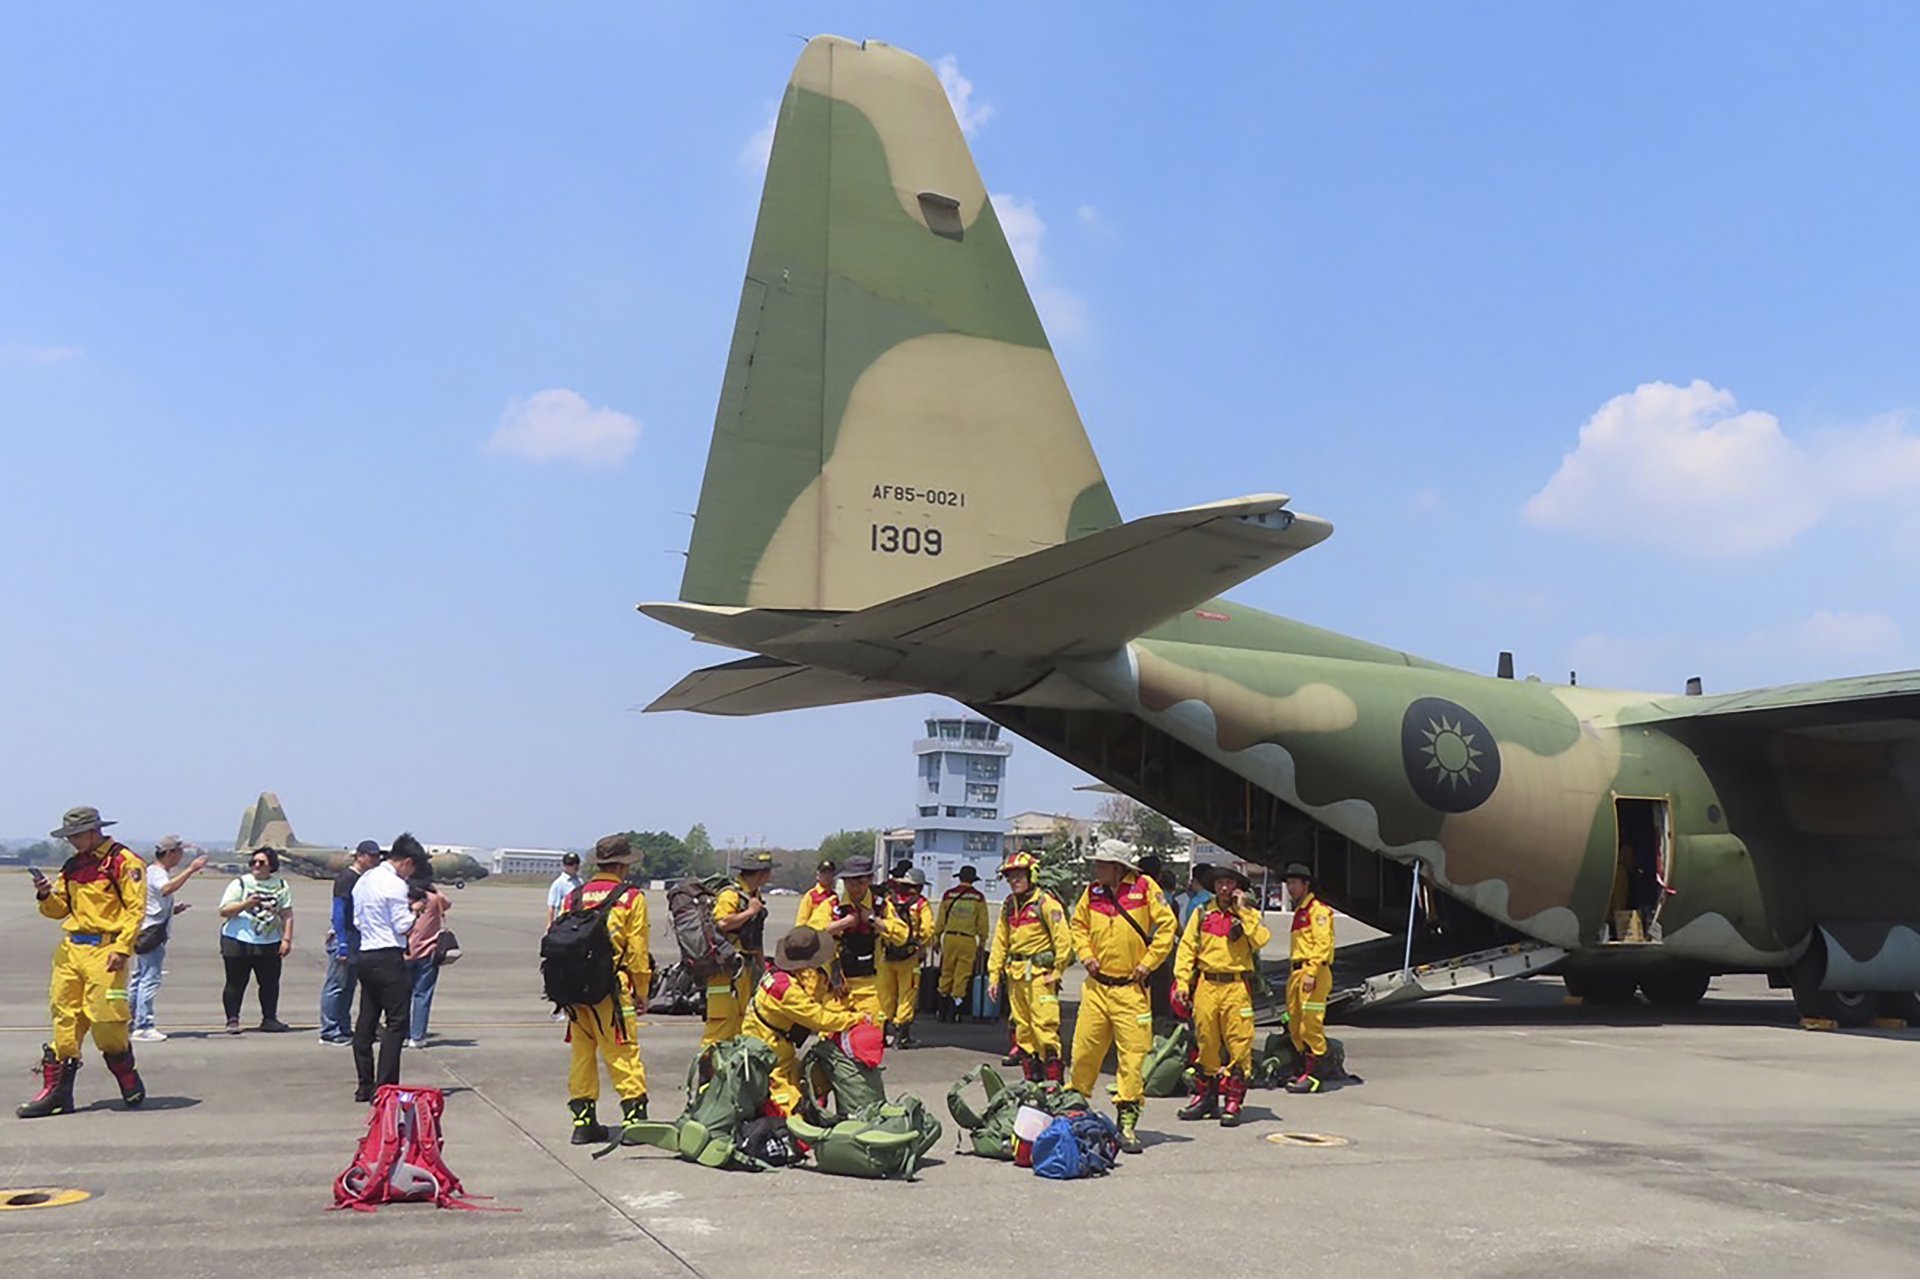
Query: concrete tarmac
pixel 1504 1134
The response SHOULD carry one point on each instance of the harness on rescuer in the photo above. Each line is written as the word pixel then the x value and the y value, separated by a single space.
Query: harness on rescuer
pixel 704 949
pixel 576 955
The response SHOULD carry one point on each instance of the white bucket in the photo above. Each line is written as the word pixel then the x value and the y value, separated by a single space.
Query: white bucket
pixel 1029 1123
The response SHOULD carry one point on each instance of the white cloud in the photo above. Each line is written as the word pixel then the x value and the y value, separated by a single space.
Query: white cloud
pixel 1063 312
pixel 559 425
pixel 1088 215
pixel 758 149
pixel 960 94
pixel 29 353
pixel 1678 467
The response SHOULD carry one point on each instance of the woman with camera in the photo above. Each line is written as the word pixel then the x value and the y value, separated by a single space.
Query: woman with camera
pixel 257 934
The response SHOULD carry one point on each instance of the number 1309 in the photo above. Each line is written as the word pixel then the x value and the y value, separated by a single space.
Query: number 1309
pixel 908 539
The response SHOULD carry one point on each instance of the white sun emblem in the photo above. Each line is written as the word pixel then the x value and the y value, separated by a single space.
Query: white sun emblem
pixel 1452 756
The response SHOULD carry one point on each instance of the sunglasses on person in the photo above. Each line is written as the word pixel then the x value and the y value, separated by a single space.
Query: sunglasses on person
pixel 261 863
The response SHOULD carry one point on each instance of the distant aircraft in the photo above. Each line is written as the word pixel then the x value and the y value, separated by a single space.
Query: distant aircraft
pixel 264 825
pixel 900 498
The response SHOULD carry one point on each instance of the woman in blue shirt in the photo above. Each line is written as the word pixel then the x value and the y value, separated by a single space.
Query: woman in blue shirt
pixel 256 936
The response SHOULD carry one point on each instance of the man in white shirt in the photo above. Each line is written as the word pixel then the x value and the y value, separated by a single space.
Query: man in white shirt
pixel 163 881
pixel 563 886
pixel 382 916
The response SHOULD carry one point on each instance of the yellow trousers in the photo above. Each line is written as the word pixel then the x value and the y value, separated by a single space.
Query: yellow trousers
pixel 899 981
pixel 1033 1004
pixel 85 996
pixel 605 1029
pixel 956 965
pixel 727 1000
pixel 1117 1017
pixel 1223 1027
pixel 1307 991
pixel 863 996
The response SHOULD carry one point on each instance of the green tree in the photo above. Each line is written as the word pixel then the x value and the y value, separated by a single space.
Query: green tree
pixel 1153 833
pixel 663 855
pixel 1063 868
pixel 845 844
pixel 699 846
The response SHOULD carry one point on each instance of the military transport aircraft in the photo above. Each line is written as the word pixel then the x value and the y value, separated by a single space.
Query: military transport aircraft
pixel 264 825
pixel 900 498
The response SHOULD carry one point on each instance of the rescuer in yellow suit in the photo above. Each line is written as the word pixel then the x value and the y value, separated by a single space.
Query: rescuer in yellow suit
pixel 791 1003
pixel 899 967
pixel 817 903
pixel 959 932
pixel 1123 929
pixel 1213 975
pixel 606 1029
pixel 1032 945
pixel 1312 977
pixel 100 899
pixel 862 924
pixel 740 911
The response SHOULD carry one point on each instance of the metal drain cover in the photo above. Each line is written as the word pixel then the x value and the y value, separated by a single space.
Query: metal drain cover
pixel 1306 1139
pixel 21 1198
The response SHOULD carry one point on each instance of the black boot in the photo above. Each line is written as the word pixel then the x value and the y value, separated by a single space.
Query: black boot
pixel 56 1087
pixel 587 1128
pixel 1206 1095
pixel 132 1090
pixel 903 1037
pixel 1306 1081
pixel 1129 1115
pixel 1014 1054
pixel 959 1009
pixel 633 1110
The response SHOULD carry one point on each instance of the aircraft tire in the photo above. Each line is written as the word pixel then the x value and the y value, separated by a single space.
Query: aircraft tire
pixel 1592 988
pixel 1851 1008
pixel 459 883
pixel 1903 1004
pixel 1680 989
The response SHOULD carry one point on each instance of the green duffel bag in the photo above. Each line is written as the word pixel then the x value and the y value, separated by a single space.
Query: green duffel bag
pixel 833 1085
pixel 727 1085
pixel 990 1131
pixel 886 1139
pixel 1164 1073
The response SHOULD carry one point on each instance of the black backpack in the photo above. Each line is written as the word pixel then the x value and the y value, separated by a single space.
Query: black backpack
pixel 576 955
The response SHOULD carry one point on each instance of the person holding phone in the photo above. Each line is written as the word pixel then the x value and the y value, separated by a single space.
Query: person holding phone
pixel 164 879
pixel 256 937
pixel 1214 970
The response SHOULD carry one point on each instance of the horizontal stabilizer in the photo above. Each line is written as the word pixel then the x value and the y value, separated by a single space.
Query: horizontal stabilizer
pixel 761 685
pixel 987 634
pixel 1824 705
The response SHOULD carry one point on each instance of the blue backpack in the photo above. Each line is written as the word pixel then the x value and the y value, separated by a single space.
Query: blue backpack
pixel 1083 1144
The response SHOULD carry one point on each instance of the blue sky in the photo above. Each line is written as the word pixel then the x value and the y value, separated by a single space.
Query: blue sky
pixel 1593 332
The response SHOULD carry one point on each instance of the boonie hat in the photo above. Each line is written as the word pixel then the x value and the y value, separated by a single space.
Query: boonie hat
pixel 78 820
pixel 1115 851
pixel 760 859
pixel 857 868
pixel 1228 872
pixel 803 948
pixel 1297 870
pixel 613 848
pixel 967 874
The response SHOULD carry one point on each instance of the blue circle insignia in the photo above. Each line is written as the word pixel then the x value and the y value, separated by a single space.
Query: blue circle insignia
pixel 1450 756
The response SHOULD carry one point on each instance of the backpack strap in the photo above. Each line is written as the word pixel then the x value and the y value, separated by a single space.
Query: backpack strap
pixel 964 1114
pixel 1125 914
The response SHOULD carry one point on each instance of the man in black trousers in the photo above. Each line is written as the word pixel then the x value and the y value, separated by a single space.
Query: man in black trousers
pixel 382 915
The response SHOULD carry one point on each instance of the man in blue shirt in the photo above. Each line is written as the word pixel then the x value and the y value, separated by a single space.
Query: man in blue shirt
pixel 343 940
pixel 1199 893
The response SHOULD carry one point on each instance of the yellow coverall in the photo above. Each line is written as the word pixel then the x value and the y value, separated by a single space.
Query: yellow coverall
pixel 1312 977
pixel 816 908
pixel 1211 970
pixel 607 1028
pixel 727 997
pixel 784 1004
pixel 883 929
pixel 1034 925
pixel 100 899
pixel 1114 1008
pixel 900 978
pixel 961 931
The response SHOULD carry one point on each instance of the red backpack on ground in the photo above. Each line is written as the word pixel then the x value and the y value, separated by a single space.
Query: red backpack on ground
pixel 399 1158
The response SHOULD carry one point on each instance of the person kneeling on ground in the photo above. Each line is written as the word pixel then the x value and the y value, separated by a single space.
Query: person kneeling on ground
pixel 791 1003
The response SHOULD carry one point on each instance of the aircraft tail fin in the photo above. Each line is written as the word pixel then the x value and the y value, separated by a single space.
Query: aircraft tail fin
pixel 264 825
pixel 892 415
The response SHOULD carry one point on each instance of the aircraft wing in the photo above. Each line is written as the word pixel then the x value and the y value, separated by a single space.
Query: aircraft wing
pixel 1826 704
pixel 759 685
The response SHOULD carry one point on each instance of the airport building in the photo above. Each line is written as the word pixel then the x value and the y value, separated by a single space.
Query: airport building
pixel 962 771
pixel 527 861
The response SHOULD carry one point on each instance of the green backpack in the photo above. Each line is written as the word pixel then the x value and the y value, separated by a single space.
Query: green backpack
pixel 884 1139
pixel 1164 1073
pixel 1276 1062
pixel 991 1129
pixel 727 1084
pixel 834 1085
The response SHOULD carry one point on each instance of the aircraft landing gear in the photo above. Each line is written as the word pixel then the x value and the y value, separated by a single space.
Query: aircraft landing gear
pixel 1904 1004
pixel 1600 988
pixel 1681 988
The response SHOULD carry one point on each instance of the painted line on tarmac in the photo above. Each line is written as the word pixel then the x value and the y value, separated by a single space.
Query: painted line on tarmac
pixel 566 1167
